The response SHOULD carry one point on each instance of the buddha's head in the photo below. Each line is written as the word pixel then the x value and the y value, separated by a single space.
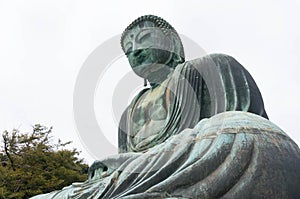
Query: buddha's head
pixel 153 48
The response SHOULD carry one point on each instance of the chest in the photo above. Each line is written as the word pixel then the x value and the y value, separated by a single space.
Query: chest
pixel 150 112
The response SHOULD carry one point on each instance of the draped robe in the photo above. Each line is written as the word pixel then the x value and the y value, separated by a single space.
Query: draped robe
pixel 199 89
pixel 216 143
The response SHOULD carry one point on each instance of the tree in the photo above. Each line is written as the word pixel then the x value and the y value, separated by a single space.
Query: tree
pixel 32 164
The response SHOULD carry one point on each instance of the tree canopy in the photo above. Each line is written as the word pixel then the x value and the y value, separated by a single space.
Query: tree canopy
pixel 32 163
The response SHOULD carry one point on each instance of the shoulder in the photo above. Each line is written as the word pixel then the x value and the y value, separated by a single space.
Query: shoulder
pixel 220 55
pixel 204 60
pixel 212 58
pixel 216 63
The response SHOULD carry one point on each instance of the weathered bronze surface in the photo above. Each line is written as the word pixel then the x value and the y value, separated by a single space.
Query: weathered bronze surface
pixel 199 131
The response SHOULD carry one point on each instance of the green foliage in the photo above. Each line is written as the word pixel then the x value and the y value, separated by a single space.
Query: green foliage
pixel 31 164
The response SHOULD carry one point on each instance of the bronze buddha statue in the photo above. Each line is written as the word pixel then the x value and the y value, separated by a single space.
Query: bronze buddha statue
pixel 199 131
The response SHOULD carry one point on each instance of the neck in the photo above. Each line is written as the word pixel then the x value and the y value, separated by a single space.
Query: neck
pixel 157 82
pixel 153 85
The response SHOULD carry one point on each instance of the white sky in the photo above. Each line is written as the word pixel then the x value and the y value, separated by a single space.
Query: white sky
pixel 43 45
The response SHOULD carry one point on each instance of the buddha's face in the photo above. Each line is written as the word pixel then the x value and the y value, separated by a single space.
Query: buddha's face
pixel 149 52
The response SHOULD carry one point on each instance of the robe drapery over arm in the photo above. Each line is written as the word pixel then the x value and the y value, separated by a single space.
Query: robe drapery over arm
pixel 216 143
pixel 230 155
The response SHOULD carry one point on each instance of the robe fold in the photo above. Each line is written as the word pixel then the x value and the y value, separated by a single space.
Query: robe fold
pixel 230 155
pixel 198 89
pixel 217 142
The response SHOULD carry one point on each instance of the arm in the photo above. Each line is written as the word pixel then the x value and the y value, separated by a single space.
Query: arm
pixel 230 86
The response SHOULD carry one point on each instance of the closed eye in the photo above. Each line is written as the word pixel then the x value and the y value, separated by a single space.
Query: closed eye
pixel 144 37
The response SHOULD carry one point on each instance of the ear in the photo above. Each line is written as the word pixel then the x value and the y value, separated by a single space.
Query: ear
pixel 177 49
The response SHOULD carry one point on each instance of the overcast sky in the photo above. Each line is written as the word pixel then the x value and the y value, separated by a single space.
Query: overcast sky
pixel 43 45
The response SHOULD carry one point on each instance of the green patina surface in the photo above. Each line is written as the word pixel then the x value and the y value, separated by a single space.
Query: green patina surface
pixel 199 131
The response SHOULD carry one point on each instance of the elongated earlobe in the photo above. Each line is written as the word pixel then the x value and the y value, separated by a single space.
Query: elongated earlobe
pixel 177 49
